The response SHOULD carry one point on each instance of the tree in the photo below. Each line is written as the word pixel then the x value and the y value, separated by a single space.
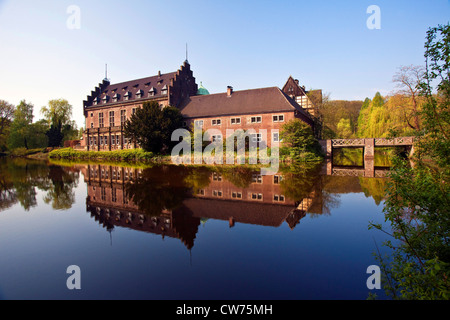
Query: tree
pixel 151 127
pixel 417 202
pixel 58 114
pixel 20 127
pixel 298 141
pixel 407 80
pixel 6 117
pixel 344 129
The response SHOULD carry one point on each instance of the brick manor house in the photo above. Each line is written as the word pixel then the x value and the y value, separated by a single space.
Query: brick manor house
pixel 109 105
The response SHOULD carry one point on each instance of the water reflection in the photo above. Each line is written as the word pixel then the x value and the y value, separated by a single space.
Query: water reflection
pixel 174 200
pixel 20 179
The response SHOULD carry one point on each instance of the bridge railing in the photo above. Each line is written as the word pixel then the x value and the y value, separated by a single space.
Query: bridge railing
pixel 361 142
pixel 347 142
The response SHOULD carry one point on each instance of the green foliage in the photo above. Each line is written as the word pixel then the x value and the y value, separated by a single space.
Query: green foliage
pixel 58 114
pixel 418 197
pixel 23 133
pixel 380 117
pixel 6 117
pixel 333 111
pixel 299 143
pixel 344 129
pixel 115 155
pixel 152 127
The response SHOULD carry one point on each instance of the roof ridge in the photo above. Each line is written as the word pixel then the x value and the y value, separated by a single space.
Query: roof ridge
pixel 140 79
pixel 234 91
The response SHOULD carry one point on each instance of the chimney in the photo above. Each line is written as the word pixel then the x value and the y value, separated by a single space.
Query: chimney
pixel 229 91
pixel 159 73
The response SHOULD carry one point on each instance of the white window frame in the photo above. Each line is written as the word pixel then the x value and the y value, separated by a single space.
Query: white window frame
pixel 276 118
pixel 257 119
pixel 235 121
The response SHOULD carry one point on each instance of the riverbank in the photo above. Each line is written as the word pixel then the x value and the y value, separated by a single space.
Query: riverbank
pixel 37 154
pixel 141 156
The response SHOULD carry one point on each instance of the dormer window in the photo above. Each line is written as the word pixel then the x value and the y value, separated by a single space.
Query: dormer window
pixel 95 102
pixel 116 97
pixel 164 90
pixel 139 94
pixel 151 92
pixel 105 99
pixel 127 95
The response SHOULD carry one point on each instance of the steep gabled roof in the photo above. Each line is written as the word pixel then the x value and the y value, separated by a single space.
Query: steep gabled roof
pixel 132 87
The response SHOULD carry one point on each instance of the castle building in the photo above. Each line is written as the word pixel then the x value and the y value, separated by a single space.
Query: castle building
pixel 109 106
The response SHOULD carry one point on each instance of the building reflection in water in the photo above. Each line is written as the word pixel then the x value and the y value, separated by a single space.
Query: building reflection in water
pixel 174 200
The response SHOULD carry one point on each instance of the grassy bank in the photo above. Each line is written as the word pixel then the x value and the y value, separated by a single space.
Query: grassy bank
pixel 130 155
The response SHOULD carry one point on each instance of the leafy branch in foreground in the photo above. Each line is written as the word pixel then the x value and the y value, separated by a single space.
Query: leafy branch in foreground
pixel 418 197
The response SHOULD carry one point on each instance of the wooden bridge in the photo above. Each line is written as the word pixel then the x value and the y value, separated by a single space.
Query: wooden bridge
pixel 368 144
pixel 368 170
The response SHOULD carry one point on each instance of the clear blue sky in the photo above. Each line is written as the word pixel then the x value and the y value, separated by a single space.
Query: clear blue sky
pixel 245 44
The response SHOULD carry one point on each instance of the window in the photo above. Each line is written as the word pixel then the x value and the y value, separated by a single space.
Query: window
pixel 101 140
pixel 164 90
pixel 235 120
pixel 100 120
pixel 118 140
pixel 277 179
pixel 279 198
pixel 113 140
pixel 255 196
pixel 198 123
pixel 276 137
pixel 216 122
pixel 139 94
pixel 278 118
pixel 133 111
pixel 127 95
pixel 105 99
pixel 103 193
pixel 236 195
pixel 111 118
pixel 151 92
pixel 217 193
pixel 92 125
pixel 217 177
pixel 113 194
pixel 256 119
pixel 256 178
pixel 216 138
pixel 106 140
pixel 115 97
pixel 123 117
pixel 256 137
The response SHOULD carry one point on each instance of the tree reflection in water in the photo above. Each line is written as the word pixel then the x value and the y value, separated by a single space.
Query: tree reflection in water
pixel 21 178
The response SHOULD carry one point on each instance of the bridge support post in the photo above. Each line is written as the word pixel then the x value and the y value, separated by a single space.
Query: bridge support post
pixel 369 168
pixel 369 148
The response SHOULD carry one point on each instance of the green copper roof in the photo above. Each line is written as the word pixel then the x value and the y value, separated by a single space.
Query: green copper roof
pixel 202 90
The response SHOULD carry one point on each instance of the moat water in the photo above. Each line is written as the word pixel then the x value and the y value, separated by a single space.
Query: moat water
pixel 173 232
